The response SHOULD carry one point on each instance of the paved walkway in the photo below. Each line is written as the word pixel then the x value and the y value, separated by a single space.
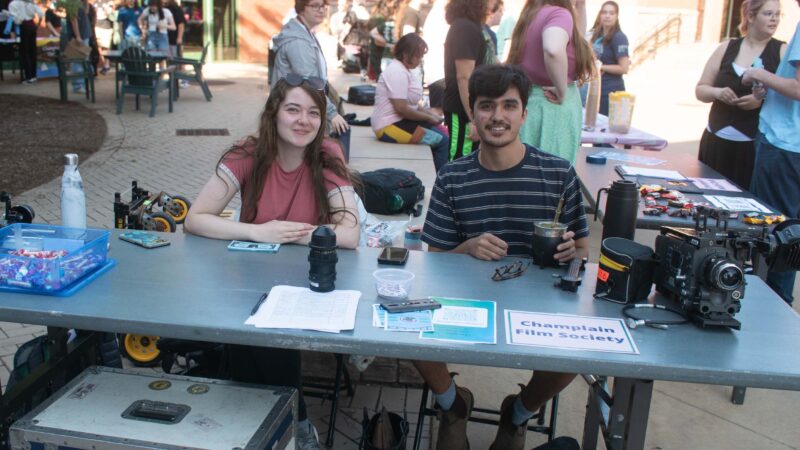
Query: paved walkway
pixel 683 416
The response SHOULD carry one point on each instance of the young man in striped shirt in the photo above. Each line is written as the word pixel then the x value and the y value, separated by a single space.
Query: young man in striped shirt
pixel 485 205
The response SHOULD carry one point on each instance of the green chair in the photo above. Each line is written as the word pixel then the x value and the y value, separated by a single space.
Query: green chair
pixel 66 73
pixel 195 73
pixel 140 76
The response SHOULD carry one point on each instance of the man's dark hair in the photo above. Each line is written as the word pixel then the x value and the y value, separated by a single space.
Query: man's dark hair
pixel 409 45
pixel 495 79
pixel 474 10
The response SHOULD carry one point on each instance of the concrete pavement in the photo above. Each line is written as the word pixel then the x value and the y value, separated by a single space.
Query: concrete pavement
pixel 683 416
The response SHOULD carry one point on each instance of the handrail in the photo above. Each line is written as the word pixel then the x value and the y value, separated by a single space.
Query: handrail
pixel 669 30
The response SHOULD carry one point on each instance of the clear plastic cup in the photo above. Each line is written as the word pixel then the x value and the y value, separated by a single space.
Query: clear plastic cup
pixel 393 284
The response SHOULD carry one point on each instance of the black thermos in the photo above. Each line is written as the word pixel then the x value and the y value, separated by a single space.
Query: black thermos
pixel 322 260
pixel 622 205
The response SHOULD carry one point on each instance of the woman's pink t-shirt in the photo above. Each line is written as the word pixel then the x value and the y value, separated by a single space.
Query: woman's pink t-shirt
pixel 533 52
pixel 286 195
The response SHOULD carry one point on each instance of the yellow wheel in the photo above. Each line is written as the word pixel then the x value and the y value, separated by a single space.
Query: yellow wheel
pixel 140 350
pixel 159 221
pixel 178 208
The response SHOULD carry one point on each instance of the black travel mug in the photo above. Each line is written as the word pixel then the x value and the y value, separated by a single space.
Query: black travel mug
pixel 322 260
pixel 622 205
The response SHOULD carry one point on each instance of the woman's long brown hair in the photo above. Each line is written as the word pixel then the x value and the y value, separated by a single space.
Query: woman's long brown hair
pixel 584 58
pixel 597 28
pixel 264 148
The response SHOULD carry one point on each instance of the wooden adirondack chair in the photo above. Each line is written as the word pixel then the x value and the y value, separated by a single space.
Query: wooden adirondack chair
pixel 67 74
pixel 195 73
pixel 140 76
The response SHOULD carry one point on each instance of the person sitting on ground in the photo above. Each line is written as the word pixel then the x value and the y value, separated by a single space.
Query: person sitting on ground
pixel 292 179
pixel 397 118
pixel 485 205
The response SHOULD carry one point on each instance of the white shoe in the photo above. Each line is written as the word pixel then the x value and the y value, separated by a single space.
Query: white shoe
pixel 184 83
pixel 307 437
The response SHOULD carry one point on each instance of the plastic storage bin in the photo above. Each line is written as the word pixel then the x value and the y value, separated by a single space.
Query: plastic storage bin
pixel 46 258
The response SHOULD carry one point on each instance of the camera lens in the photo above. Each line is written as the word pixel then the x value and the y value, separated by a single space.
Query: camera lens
pixel 726 275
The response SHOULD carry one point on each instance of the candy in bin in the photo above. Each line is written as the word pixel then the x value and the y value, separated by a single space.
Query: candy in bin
pixel 649 201
pixel 652 211
pixel 648 189
pixel 683 212
pixel 671 195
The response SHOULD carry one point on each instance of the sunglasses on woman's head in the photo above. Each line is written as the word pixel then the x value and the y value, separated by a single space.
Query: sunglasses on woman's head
pixel 295 80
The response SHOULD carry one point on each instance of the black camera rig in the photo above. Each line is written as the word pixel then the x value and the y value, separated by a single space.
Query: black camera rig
pixel 703 268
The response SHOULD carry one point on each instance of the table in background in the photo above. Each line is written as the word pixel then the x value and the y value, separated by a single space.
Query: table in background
pixel 197 289
pixel 634 138
pixel 596 176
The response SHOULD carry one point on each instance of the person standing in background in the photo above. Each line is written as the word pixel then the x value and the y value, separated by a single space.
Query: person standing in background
pixel 465 49
pixel 79 28
pixel 727 145
pixel 554 54
pixel 610 46
pixel 128 19
pixel 384 35
pixel 176 36
pixel 777 165
pixel 103 31
pixel 155 21
pixel 52 19
pixel 28 17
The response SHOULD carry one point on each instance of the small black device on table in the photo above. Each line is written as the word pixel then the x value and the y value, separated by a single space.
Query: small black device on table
pixel 421 304
pixel 396 256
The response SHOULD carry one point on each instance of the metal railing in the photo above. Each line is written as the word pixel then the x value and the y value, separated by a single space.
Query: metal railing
pixel 666 32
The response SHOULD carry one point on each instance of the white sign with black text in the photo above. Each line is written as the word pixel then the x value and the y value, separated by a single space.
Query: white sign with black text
pixel 567 331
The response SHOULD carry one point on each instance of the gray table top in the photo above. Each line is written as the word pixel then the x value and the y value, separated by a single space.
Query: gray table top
pixel 596 176
pixel 197 289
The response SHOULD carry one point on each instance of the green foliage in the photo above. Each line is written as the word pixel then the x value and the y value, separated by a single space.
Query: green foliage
pixel 70 6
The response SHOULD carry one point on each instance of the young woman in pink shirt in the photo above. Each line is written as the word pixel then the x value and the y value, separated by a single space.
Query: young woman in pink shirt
pixel 553 53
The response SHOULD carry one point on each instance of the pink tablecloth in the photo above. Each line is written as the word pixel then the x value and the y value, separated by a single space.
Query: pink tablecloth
pixel 634 138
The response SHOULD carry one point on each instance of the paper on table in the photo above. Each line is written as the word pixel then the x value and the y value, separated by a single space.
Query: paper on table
pixel 301 308
pixel 737 203
pixel 715 184
pixel 655 173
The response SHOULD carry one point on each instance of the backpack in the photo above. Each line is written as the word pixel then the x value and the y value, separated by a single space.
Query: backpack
pixel 392 191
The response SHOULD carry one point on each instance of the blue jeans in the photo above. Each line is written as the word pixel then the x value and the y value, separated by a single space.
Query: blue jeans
pixel 775 175
pixel 344 138
pixel 157 42
pixel 80 83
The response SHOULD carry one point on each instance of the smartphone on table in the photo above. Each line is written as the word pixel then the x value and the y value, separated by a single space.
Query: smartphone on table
pixel 396 256
pixel 144 239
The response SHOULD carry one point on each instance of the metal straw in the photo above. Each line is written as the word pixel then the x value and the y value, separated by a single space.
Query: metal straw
pixel 558 211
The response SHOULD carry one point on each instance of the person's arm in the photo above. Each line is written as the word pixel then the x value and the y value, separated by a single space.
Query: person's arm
pixel 203 218
pixel 142 21
pixel 170 22
pixel 377 36
pixel 407 111
pixel 580 15
pixel 345 222
pixel 179 38
pixel 705 91
pixel 464 68
pixel 788 87
pixel 620 68
pixel 487 247
pixel 73 23
pixel 554 44
pixel 52 29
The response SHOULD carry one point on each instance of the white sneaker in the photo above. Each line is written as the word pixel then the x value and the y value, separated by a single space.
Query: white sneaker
pixel 184 83
pixel 307 438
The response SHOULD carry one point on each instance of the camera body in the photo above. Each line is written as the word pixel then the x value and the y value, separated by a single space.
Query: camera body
pixel 14 214
pixel 703 273
pixel 703 268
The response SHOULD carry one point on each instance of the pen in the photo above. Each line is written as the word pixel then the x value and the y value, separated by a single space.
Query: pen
pixel 258 305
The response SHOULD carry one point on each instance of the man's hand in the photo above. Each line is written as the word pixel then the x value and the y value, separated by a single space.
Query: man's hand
pixel 435 119
pixel 487 247
pixel 281 232
pixel 567 250
pixel 472 132
pixel 339 125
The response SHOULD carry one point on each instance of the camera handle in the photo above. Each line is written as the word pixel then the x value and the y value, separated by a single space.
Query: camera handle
pixel 597 201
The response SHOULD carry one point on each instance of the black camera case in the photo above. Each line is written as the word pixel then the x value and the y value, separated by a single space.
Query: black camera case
pixel 626 271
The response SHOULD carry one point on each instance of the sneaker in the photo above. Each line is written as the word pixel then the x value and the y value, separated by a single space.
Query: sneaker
pixel 307 437
pixel 184 83
pixel 509 436
pixel 78 90
pixel 453 424
pixel 30 81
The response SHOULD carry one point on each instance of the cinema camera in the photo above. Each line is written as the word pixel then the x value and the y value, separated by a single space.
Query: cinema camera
pixel 703 268
pixel 14 214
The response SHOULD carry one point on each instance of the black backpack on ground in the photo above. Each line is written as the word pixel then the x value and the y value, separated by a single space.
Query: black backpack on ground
pixel 392 191
pixel 363 94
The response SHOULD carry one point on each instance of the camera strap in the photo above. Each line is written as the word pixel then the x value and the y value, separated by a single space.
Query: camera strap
pixel 634 321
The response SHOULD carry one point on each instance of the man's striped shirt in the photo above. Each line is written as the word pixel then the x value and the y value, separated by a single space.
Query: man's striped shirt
pixel 469 200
